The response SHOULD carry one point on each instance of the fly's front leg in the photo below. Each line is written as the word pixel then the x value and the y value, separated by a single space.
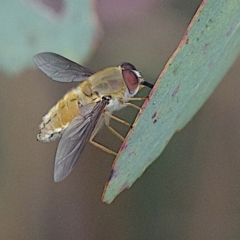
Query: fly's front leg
pixel 125 102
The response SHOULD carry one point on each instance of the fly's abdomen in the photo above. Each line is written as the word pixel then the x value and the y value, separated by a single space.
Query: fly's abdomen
pixel 58 118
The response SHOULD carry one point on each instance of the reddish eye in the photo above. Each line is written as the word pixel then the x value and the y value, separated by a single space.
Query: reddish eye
pixel 131 80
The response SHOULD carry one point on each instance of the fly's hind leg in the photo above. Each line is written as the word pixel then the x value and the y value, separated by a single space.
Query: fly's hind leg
pixel 98 126
pixel 102 147
pixel 113 131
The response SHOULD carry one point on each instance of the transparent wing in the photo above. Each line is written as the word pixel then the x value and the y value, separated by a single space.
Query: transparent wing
pixel 60 68
pixel 75 138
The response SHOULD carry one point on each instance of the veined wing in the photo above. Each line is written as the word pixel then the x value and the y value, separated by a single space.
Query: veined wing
pixel 75 138
pixel 60 68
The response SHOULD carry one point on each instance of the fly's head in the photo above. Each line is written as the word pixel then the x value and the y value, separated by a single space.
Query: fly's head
pixel 133 79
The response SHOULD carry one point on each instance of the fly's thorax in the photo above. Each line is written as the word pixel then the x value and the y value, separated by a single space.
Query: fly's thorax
pixel 117 83
pixel 87 94
pixel 108 82
pixel 132 78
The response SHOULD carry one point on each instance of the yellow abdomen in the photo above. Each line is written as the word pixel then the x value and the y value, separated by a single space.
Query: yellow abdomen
pixel 59 116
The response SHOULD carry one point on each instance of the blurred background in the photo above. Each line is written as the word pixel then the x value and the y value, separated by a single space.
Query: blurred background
pixel 191 191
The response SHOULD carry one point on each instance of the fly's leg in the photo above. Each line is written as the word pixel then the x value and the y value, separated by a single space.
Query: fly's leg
pixel 113 131
pixel 97 144
pixel 125 102
pixel 102 147
pixel 134 99
pixel 108 115
pixel 107 119
pixel 132 105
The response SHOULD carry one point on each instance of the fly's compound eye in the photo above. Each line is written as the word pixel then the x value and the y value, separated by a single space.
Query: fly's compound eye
pixel 127 66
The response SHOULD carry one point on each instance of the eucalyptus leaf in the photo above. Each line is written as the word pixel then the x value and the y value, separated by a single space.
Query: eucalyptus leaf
pixel 209 47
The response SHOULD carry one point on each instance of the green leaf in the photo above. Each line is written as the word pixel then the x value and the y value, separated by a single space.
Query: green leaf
pixel 208 49
pixel 64 27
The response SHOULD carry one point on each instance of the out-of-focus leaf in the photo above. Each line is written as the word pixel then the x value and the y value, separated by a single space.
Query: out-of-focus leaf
pixel 208 49
pixel 32 26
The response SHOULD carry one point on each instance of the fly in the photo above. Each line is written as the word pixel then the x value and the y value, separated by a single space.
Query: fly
pixel 78 116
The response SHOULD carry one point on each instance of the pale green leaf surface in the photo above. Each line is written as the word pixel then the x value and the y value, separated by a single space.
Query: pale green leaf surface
pixel 208 49
pixel 30 26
